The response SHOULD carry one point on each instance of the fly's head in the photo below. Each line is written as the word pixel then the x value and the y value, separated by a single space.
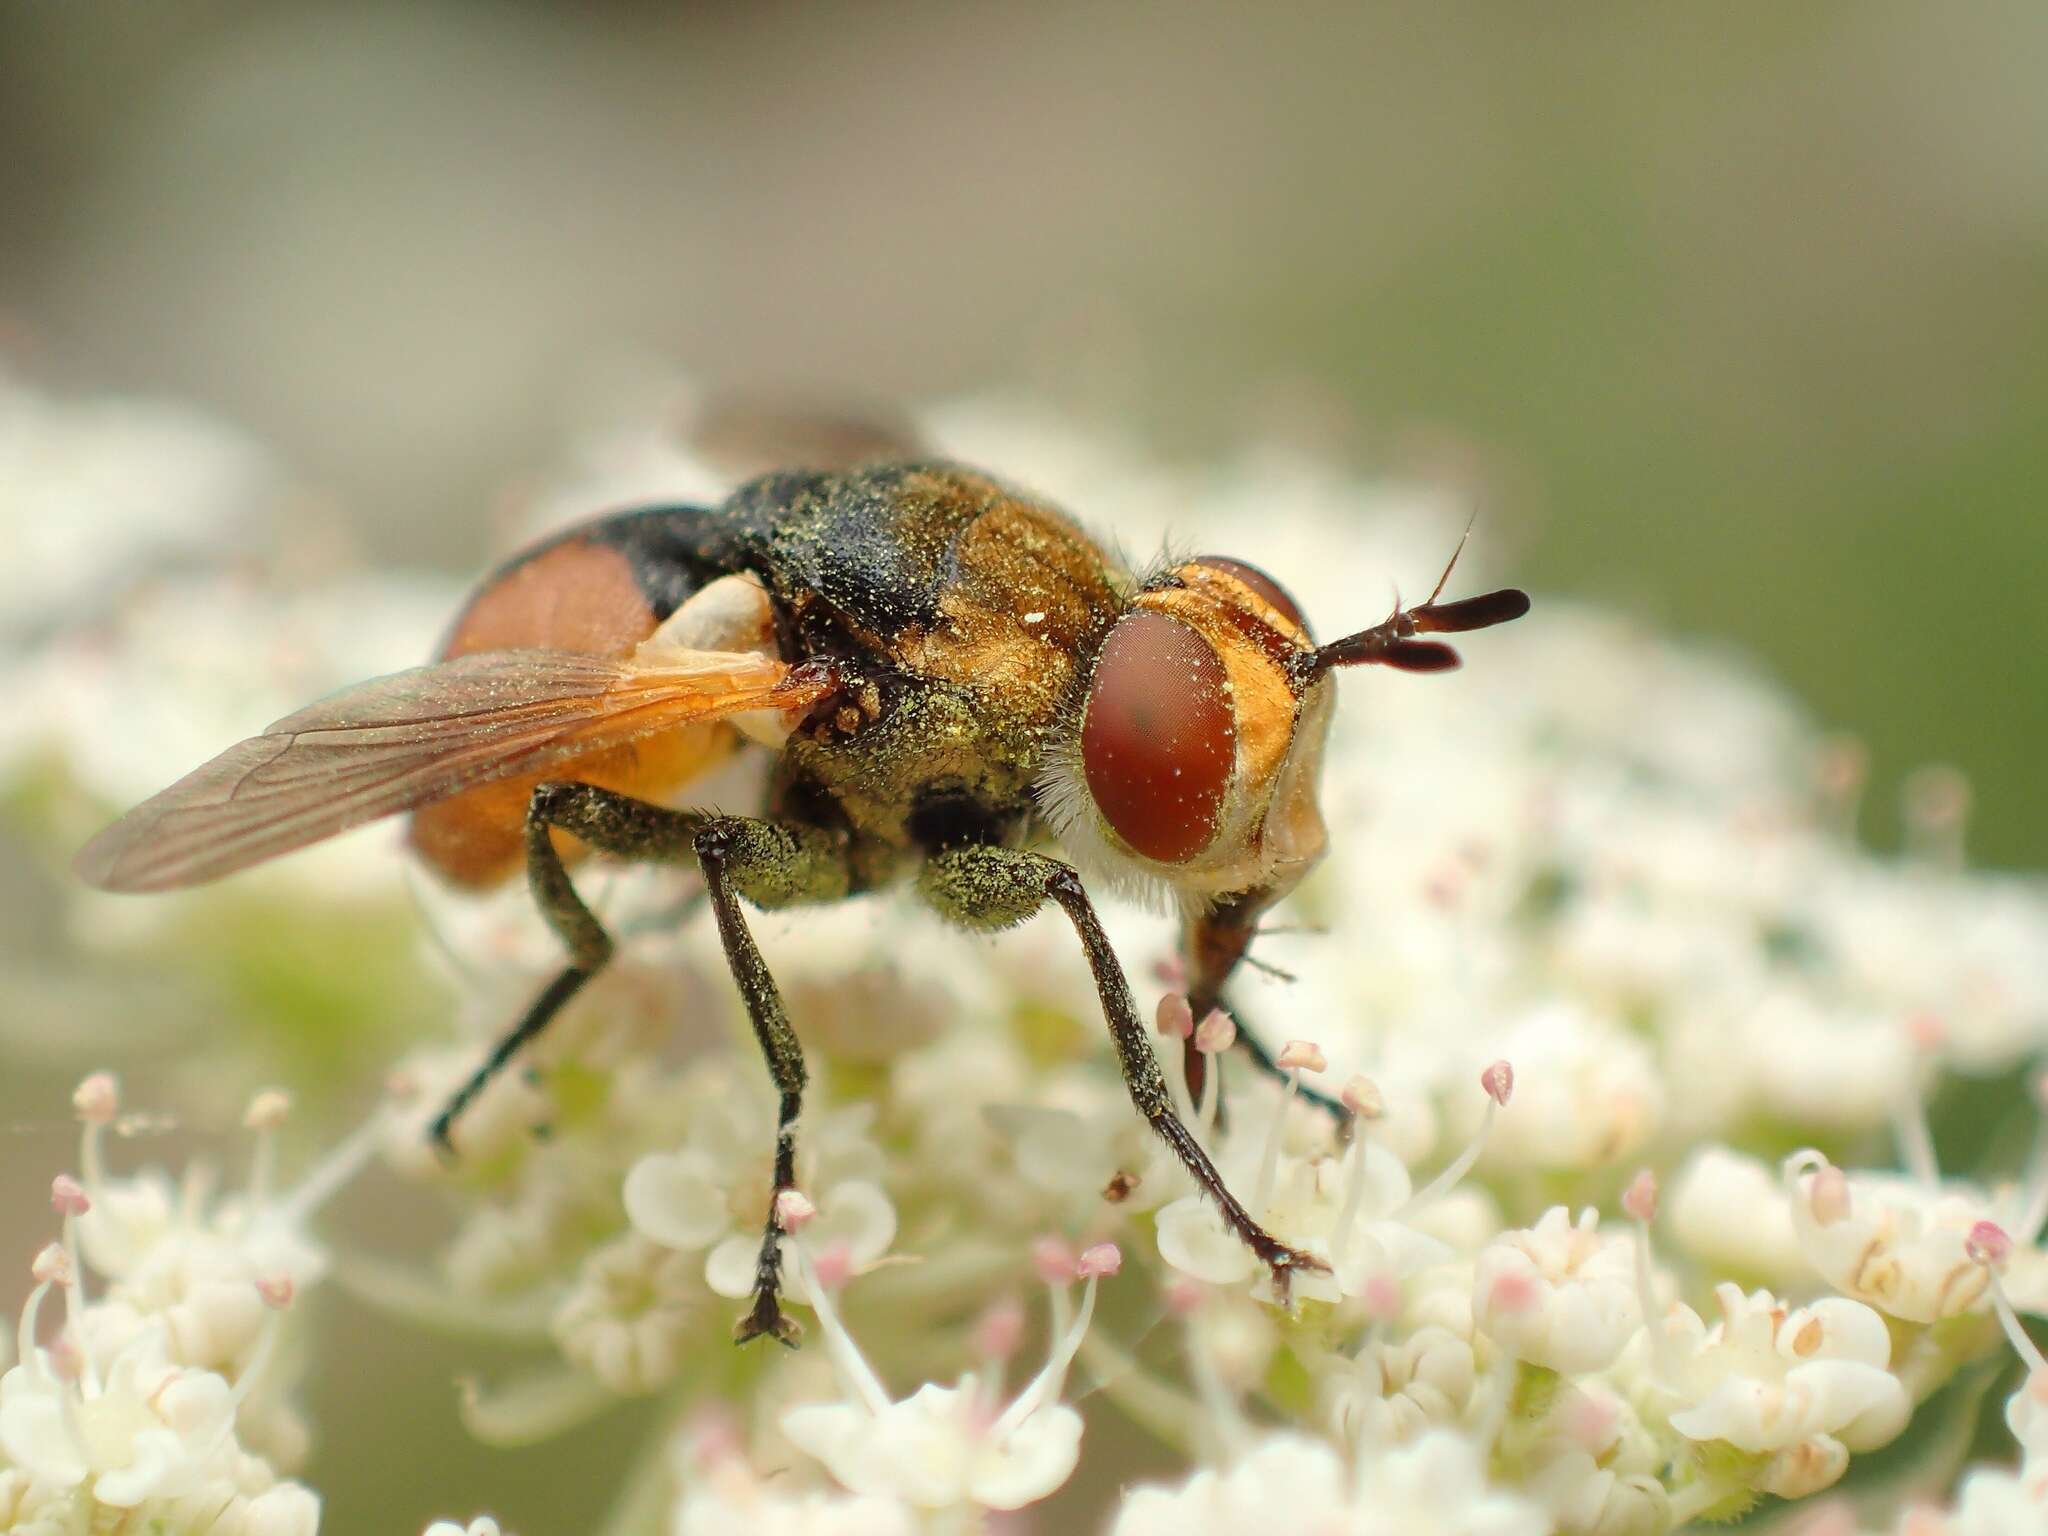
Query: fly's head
pixel 1192 766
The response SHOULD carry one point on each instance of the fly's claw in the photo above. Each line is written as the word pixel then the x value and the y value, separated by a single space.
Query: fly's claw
pixel 1284 1261
pixel 767 1318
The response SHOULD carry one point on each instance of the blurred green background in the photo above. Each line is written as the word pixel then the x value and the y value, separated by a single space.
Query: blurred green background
pixel 1735 316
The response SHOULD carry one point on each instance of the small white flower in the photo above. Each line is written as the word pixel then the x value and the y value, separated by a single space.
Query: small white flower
pixel 1558 1294
pixel 1798 1389
pixel 1888 1239
pixel 712 1193
pixel 948 1447
pixel 482 1525
pixel 148 1430
pixel 628 1314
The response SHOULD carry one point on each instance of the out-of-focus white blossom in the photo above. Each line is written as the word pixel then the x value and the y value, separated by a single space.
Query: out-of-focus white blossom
pixel 1436 1485
pixel 101 492
pixel 1730 1212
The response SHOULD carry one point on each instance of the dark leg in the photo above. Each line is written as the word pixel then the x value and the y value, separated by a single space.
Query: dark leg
pixel 769 864
pixel 987 887
pixel 588 944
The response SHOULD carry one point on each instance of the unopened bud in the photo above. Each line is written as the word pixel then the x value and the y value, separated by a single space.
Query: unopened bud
pixel 1053 1259
pixel 1216 1033
pixel 96 1099
pixel 1499 1082
pixel 833 1267
pixel 1176 1020
pixel 1000 1333
pixel 1361 1095
pixel 68 1197
pixel 1382 1296
pixel 793 1210
pixel 1184 1297
pixel 1101 1259
pixel 267 1110
pixel 1304 1056
pixel 1988 1244
pixel 1639 1200
pixel 51 1266
pixel 1512 1293
pixel 1828 1196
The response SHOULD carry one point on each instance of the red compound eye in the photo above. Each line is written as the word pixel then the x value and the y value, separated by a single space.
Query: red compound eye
pixel 1260 583
pixel 1159 739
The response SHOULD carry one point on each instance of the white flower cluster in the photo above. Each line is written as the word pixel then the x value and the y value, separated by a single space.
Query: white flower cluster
pixel 163 1403
pixel 1593 906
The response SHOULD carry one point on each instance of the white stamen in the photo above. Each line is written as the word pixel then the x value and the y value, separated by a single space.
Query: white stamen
pixel 1639 1201
pixel 855 1373
pixel 1269 1157
pixel 1499 1082
pixel 1047 1385
pixel 1989 1246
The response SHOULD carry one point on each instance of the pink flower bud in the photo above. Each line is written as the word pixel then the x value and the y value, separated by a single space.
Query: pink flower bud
pixel 68 1197
pixel 1499 1082
pixel 1101 1259
pixel 96 1099
pixel 1639 1200
pixel 1184 1297
pixel 277 1291
pixel 1827 1196
pixel 1512 1293
pixel 1304 1056
pixel 1362 1097
pixel 51 1266
pixel 1928 1031
pixel 1988 1244
pixel 1171 972
pixel 1590 1419
pixel 1053 1259
pixel 1176 1020
pixel 1382 1297
pixel 267 1110
pixel 1216 1033
pixel 793 1210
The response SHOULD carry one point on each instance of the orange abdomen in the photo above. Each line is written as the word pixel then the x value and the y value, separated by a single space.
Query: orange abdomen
pixel 579 593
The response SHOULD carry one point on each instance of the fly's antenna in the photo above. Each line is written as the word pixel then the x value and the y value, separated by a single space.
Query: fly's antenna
pixel 1392 642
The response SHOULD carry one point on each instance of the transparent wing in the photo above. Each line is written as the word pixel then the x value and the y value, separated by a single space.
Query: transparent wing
pixel 401 741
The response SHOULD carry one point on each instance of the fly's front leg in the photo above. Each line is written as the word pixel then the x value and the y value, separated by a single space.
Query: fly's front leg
pixel 987 887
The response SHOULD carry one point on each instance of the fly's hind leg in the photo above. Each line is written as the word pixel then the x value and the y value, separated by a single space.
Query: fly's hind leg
pixel 589 946
pixel 989 888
